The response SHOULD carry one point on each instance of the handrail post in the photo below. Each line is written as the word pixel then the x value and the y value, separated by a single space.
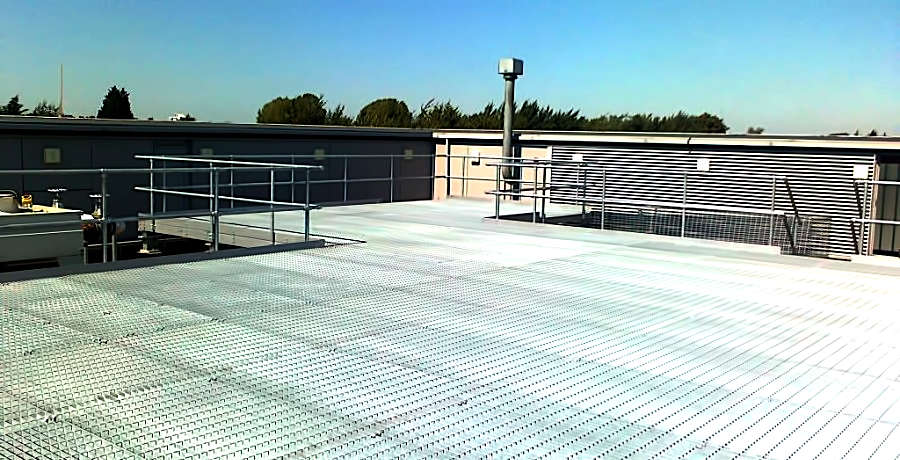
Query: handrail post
pixel 544 196
pixel 231 179
pixel 583 192
pixel 271 205
pixel 152 221
pixel 683 204
pixel 103 219
pixel 534 198
pixel 210 187
pixel 165 195
pixel 497 195
pixel 293 161
pixel 214 215
pixel 306 211
pixel 603 202
pixel 447 149
pixel 392 178
pixel 772 215
pixel 346 166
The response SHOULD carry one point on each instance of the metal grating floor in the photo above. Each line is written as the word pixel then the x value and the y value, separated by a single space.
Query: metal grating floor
pixel 473 339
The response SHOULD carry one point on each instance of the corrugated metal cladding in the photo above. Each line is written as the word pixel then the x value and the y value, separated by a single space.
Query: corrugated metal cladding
pixel 821 183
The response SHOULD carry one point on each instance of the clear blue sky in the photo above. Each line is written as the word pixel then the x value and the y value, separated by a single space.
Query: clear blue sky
pixel 791 67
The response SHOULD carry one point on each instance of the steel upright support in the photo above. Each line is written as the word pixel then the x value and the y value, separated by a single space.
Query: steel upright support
pixel 152 204
pixel 497 196
pixel 306 211
pixel 583 193
pixel 683 204
pixel 392 179
pixel 293 161
pixel 104 219
pixel 772 215
pixel 544 196
pixel 534 199
pixel 272 206
pixel 165 195
pixel 346 161
pixel 214 216
pixel 447 150
pixel 231 180
pixel 603 202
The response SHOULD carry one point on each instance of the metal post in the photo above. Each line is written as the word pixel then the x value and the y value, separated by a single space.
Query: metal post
pixel 772 215
pixel 271 205
pixel 113 244
pixel 392 179
pixel 165 195
pixel 534 198
pixel 306 211
pixel 231 179
pixel 683 204
pixel 103 221
pixel 603 202
pixel 583 193
pixel 153 221
pixel 210 188
pixel 544 196
pixel 447 149
pixel 346 161
pixel 497 196
pixel 215 213
pixel 293 161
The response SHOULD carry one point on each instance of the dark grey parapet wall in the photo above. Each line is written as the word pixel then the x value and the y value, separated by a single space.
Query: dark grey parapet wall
pixel 114 143
pixel 650 167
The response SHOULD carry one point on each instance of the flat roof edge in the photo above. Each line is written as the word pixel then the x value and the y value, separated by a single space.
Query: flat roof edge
pixel 886 143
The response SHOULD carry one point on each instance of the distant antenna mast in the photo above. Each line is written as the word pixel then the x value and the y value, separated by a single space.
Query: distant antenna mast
pixel 61 91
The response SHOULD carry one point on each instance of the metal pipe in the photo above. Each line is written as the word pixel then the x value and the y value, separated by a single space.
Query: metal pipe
pixel 497 196
pixel 231 181
pixel 543 196
pixel 293 160
pixel 205 196
pixel 683 205
pixel 603 202
pixel 306 211
pixel 164 186
pixel 392 181
pixel 346 161
pixel 113 246
pixel 509 95
pixel 272 200
pixel 230 162
pixel 153 223
pixel 534 201
pixel 447 149
pixel 104 230
pixel 584 196
pixel 214 217
pixel 772 216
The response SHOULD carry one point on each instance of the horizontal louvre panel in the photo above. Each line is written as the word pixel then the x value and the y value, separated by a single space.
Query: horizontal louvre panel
pixel 821 183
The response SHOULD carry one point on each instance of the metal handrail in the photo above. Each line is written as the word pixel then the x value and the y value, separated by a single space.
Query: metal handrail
pixel 209 160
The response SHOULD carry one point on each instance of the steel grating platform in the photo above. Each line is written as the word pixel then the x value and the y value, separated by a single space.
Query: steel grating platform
pixel 449 336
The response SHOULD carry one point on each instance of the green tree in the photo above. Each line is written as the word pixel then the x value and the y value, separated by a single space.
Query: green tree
pixel 337 117
pixel 490 117
pixel 116 104
pixel 13 107
pixel 755 130
pixel 45 109
pixel 872 133
pixel 188 117
pixel 387 112
pixel 438 115
pixel 306 109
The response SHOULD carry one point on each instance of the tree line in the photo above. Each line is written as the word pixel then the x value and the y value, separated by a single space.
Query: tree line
pixel 311 109
pixel 116 104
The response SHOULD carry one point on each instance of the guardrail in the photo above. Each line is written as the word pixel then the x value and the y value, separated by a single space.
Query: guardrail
pixel 541 191
pixel 109 245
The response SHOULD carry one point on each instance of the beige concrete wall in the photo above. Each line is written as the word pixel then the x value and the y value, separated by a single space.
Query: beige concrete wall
pixel 485 175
